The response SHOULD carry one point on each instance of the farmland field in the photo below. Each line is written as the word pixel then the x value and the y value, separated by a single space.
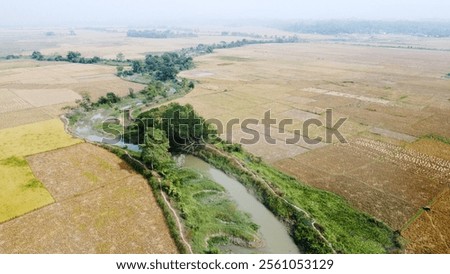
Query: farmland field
pixel 21 191
pixel 390 97
pixel 107 43
pixel 391 89
pixel 430 233
pixel 37 91
pixel 386 181
pixel 373 87
pixel 101 206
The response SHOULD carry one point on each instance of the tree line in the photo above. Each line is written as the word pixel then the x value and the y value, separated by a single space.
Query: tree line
pixel 72 57
pixel 206 49
pixel 163 67
pixel 331 27
pixel 159 34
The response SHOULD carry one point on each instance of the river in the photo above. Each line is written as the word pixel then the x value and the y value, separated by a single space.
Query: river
pixel 273 233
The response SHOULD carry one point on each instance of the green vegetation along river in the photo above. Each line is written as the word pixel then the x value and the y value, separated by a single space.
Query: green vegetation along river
pixel 273 232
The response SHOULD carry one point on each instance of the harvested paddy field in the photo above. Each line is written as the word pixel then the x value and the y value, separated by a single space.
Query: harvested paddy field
pixel 430 232
pixel 393 94
pixel 96 80
pixel 37 91
pixel 390 97
pixel 21 191
pixel 389 182
pixel 101 206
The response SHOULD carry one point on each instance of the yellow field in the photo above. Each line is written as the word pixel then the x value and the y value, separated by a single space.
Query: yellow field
pixel 34 138
pixel 21 191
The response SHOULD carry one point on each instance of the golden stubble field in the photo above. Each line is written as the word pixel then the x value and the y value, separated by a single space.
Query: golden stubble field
pixel 391 98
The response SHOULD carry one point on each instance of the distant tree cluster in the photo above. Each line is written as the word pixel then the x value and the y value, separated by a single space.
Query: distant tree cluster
pixel 243 34
pixel 12 56
pixel 87 104
pixel 205 49
pixel 37 56
pixel 110 99
pixel 331 27
pixel 72 56
pixel 75 57
pixel 158 34
pixel 163 67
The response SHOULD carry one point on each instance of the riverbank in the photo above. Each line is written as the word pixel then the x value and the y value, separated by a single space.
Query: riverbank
pixel 200 216
pixel 319 221
pixel 275 238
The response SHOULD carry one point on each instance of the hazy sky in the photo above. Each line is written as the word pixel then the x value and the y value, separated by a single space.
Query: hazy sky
pixel 140 12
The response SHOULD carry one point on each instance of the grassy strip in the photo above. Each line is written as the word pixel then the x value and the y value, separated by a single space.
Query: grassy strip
pixel 437 137
pixel 209 217
pixel 348 230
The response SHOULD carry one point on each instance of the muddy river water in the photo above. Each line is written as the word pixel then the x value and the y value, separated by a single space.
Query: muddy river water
pixel 272 231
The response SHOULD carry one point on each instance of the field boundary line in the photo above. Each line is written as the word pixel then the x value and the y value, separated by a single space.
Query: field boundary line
pixel 31 211
pixel 179 224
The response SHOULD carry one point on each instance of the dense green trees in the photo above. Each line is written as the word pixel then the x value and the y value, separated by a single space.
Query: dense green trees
pixel 72 56
pixel 137 66
pixel 184 128
pixel 163 67
pixel 37 56
pixel 155 150
pixel 75 57
pixel 154 89
pixel 110 98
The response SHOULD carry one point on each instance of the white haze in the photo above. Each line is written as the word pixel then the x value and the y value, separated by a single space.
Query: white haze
pixel 148 12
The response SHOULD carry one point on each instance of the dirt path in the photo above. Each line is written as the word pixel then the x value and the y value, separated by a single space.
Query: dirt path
pixel 179 224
